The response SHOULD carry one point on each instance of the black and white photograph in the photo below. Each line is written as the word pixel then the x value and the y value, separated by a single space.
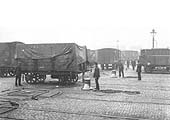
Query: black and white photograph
pixel 84 60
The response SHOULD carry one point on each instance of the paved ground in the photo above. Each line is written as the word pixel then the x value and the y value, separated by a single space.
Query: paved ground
pixel 119 99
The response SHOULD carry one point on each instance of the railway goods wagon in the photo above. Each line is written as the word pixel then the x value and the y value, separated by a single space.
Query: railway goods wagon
pixel 7 58
pixel 155 60
pixel 107 57
pixel 129 55
pixel 62 61
pixel 92 58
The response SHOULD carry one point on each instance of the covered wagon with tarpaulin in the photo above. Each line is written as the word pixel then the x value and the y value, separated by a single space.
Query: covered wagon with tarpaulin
pixel 62 61
pixel 7 58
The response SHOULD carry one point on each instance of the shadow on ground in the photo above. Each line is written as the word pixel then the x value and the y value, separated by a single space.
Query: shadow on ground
pixel 56 83
pixel 120 91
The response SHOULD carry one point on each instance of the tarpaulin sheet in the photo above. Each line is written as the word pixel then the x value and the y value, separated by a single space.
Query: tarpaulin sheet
pixel 60 56
pixel 7 53
pixel 92 56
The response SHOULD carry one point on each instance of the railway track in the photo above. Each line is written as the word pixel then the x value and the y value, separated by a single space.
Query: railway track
pixel 102 116
pixel 79 114
pixel 119 101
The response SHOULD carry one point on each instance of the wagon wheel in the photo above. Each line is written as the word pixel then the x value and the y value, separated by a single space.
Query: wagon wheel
pixel 73 78
pixel 33 78
pixel 40 78
pixel 69 79
pixel 4 74
pixel 59 79
pixel 63 79
pixel 30 79
pixel 11 72
pixel 66 79
pixel 167 69
pixel 0 73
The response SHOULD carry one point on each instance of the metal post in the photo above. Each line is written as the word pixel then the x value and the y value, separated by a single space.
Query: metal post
pixel 153 40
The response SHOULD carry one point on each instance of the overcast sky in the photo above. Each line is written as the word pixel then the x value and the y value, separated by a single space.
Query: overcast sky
pixel 94 23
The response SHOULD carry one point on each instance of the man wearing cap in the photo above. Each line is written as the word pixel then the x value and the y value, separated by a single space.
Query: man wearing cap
pixel 18 75
pixel 96 75
pixel 138 70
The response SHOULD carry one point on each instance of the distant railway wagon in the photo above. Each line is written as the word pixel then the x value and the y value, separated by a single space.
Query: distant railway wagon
pixel 7 58
pixel 129 55
pixel 63 61
pixel 107 57
pixel 92 56
pixel 155 60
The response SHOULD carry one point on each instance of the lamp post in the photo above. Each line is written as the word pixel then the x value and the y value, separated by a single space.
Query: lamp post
pixel 153 40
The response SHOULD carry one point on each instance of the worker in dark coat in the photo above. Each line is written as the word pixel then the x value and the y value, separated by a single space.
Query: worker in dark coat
pixel 121 69
pixel 133 64
pixel 128 62
pixel 18 75
pixel 139 70
pixel 96 75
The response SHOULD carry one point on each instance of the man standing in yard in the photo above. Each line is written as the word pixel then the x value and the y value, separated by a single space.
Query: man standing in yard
pixel 121 69
pixel 128 62
pixel 133 64
pixel 138 70
pixel 18 75
pixel 96 75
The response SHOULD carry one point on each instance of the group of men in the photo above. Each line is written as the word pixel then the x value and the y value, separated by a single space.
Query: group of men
pixel 120 66
pixel 133 63
pixel 138 69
